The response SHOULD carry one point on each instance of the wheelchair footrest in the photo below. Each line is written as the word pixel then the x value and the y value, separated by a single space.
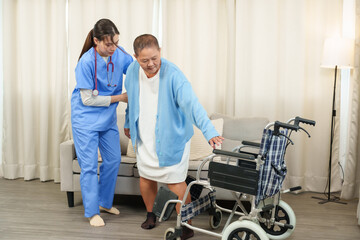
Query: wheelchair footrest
pixel 162 197
pixel 198 206
pixel 295 188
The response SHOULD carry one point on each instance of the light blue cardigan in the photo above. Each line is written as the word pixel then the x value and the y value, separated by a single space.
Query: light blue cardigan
pixel 178 109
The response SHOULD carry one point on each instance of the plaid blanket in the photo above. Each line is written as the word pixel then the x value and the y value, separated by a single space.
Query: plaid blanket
pixel 198 206
pixel 273 171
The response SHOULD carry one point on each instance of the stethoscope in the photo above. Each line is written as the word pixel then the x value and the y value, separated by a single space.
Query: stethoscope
pixel 95 92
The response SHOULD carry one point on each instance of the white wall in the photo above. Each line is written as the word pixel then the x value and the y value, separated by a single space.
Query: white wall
pixel 1 89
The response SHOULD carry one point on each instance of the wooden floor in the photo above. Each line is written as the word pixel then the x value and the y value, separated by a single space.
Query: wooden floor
pixel 36 210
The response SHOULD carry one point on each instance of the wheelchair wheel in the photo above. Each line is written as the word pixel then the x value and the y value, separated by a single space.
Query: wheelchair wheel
pixel 283 214
pixel 170 234
pixel 215 220
pixel 241 230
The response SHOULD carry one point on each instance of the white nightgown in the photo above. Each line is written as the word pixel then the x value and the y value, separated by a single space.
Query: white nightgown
pixel 147 159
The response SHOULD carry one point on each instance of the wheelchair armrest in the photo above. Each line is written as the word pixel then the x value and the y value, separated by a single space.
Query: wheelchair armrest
pixel 250 153
pixel 251 144
pixel 234 154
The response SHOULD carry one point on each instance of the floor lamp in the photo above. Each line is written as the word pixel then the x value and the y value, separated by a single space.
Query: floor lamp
pixel 337 54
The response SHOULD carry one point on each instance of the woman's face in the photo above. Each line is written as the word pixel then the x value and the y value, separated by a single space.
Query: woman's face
pixel 106 47
pixel 150 60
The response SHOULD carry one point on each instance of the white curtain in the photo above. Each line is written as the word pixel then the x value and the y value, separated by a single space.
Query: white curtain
pixel 37 83
pixel 194 38
pixel 351 185
pixel 261 58
pixel 278 51
pixel 1 89
pixel 35 88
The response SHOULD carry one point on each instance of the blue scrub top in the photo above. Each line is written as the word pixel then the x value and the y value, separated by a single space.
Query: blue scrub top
pixel 92 117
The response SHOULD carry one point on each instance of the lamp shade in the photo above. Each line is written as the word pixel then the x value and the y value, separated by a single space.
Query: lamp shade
pixel 338 52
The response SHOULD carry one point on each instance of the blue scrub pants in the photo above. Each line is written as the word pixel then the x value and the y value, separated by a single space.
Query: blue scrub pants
pixel 97 191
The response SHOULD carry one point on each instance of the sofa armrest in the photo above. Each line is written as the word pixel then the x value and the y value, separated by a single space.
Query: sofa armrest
pixel 67 155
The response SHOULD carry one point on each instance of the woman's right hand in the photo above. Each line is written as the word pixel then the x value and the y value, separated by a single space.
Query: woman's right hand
pixel 127 132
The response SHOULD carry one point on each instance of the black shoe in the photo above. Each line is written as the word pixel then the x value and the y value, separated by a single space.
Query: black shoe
pixel 150 221
pixel 187 233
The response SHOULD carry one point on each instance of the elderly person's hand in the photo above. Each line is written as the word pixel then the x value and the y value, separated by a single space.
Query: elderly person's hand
pixel 119 98
pixel 127 132
pixel 216 141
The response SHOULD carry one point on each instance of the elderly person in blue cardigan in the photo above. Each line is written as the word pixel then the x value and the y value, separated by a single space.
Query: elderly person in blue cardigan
pixel 162 108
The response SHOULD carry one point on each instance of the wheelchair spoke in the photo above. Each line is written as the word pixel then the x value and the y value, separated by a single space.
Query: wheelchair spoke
pixel 237 237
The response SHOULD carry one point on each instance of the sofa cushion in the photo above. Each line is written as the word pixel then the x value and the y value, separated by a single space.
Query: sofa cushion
pixel 240 129
pixel 200 148
pixel 123 139
pixel 229 144
pixel 136 171
pixel 126 168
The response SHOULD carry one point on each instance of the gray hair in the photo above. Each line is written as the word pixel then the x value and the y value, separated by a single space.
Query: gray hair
pixel 145 41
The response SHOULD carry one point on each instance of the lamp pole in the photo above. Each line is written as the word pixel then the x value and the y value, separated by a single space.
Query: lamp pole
pixel 338 53
pixel 333 115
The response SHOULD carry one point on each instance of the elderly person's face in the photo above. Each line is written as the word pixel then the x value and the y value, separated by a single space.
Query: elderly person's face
pixel 149 60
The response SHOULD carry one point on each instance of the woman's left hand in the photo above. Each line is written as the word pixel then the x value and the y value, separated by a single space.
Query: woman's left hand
pixel 216 141
pixel 119 98
pixel 124 97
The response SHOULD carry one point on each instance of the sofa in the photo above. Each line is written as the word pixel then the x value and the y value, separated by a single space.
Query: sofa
pixel 233 129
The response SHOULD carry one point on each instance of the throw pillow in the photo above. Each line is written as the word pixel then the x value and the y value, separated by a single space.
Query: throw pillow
pixel 242 128
pixel 200 148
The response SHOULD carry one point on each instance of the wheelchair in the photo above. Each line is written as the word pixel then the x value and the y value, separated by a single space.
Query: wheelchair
pixel 250 177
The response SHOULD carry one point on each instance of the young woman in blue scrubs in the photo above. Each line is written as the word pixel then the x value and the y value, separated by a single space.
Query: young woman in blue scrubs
pixel 99 76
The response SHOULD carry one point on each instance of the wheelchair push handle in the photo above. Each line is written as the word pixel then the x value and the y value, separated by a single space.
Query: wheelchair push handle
pixel 304 120
pixel 279 125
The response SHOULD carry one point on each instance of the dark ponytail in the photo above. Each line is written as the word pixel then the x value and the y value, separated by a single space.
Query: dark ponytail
pixel 102 28
pixel 89 43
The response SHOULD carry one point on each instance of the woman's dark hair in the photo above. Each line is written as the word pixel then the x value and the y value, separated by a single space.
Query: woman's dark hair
pixel 145 41
pixel 102 28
